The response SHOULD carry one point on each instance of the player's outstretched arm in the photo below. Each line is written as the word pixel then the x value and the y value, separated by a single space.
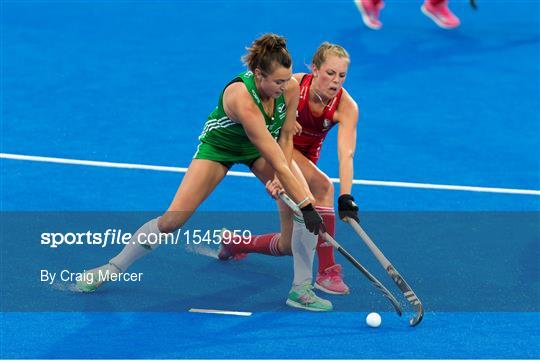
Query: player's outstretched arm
pixel 348 120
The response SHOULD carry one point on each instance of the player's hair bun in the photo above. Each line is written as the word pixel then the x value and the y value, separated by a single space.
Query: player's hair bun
pixel 266 51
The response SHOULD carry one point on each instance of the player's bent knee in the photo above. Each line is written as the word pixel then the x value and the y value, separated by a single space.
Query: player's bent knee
pixel 285 250
pixel 323 188
pixel 284 247
pixel 170 222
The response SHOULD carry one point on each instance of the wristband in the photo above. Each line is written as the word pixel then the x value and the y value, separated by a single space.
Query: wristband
pixel 302 202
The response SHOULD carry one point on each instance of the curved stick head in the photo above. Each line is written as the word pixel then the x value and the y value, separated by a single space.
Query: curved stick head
pixel 409 294
pixel 418 316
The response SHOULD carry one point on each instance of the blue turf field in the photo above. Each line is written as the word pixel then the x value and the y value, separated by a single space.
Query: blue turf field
pixel 133 82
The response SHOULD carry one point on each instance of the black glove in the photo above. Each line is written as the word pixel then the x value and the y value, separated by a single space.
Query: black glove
pixel 347 207
pixel 312 219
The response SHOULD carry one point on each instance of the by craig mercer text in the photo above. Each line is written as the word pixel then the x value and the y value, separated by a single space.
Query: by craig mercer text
pixel 119 237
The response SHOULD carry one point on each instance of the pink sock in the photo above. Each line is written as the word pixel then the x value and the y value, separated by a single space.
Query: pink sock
pixel 325 251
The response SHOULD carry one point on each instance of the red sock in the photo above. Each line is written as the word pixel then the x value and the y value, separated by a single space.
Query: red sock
pixel 435 2
pixel 264 243
pixel 325 251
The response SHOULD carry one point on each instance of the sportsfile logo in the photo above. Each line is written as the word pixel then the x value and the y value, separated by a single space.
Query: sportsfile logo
pixel 110 236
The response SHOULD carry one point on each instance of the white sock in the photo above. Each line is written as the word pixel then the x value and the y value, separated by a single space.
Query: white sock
pixel 136 249
pixel 303 246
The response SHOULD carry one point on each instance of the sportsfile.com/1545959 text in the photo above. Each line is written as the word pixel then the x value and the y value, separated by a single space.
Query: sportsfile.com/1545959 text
pixel 118 237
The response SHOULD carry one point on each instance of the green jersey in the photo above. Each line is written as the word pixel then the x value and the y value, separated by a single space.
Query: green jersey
pixel 228 139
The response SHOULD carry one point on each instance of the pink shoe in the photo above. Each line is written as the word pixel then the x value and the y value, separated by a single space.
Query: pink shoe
pixel 331 281
pixel 440 14
pixel 227 250
pixel 370 12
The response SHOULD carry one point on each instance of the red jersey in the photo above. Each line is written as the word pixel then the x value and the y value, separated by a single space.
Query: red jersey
pixel 314 129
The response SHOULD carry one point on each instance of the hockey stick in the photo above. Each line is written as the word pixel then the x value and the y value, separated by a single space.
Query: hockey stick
pixel 392 272
pixel 473 4
pixel 289 202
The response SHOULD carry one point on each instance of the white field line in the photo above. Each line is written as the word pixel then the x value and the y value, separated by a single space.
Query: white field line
pixel 220 312
pixel 93 163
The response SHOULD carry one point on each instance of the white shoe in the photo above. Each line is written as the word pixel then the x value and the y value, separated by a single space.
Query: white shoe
pixel 94 278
